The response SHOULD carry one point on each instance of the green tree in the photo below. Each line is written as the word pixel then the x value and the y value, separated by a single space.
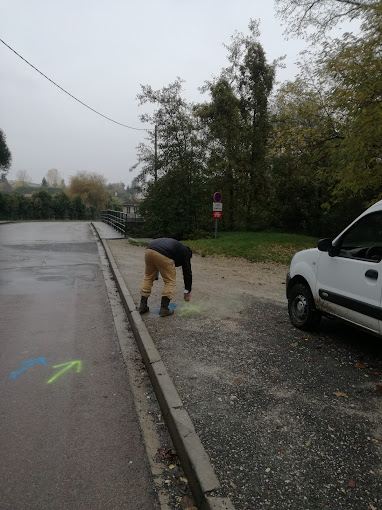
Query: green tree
pixel 4 184
pixel 238 152
pixel 302 133
pixel 172 137
pixel 308 133
pixel 62 207
pixel 114 203
pixel 78 208
pixel 8 207
pixel 24 207
pixel 44 183
pixel 173 150
pixel 328 123
pixel 174 209
pixel 42 205
pixel 222 137
pixel 91 213
pixel 117 189
pixel 255 81
pixel 5 156
pixel 354 67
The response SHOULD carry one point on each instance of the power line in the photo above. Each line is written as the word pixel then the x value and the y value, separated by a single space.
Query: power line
pixel 73 97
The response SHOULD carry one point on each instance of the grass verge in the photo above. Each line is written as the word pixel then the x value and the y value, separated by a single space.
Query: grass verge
pixel 254 246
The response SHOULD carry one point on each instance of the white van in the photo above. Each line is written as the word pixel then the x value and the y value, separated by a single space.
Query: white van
pixel 340 278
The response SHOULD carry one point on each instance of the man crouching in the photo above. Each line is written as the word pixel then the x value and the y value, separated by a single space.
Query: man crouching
pixel 163 255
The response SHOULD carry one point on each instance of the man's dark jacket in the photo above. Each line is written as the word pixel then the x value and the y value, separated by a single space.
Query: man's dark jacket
pixel 179 253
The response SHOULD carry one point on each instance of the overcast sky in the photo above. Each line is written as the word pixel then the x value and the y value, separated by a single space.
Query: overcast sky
pixel 101 52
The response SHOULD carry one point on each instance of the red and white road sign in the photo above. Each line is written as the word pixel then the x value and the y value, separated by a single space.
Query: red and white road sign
pixel 217 214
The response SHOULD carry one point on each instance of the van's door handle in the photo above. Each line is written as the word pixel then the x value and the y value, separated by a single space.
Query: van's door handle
pixel 372 273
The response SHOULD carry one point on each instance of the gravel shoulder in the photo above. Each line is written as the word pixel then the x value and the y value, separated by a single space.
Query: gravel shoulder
pixel 218 282
pixel 289 420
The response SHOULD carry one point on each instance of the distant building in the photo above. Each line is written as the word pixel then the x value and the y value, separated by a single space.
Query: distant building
pixel 131 208
pixel 26 184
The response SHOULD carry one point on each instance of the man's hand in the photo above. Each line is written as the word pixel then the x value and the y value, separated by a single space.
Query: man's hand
pixel 187 296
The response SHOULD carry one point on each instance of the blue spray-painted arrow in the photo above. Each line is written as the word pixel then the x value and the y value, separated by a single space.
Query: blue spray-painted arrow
pixel 28 364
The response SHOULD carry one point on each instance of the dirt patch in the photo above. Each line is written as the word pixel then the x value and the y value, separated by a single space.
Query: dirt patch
pixel 219 283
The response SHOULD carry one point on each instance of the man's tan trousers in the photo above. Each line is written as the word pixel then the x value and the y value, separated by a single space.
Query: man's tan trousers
pixel 156 262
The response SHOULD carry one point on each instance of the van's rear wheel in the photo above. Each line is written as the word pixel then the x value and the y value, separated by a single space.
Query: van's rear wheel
pixel 301 309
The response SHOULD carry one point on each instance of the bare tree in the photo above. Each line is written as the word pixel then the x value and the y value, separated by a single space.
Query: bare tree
pixel 320 15
pixel 22 177
pixel 91 187
pixel 53 177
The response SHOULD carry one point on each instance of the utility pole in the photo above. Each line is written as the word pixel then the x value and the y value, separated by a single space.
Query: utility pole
pixel 156 154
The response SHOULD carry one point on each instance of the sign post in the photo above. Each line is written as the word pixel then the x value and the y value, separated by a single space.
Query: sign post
pixel 217 208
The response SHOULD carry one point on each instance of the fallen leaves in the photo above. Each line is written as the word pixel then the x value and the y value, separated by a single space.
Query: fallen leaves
pixel 168 455
pixel 187 503
pixel 352 483
pixel 340 394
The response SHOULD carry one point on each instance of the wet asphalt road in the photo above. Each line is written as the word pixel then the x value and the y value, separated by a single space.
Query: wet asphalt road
pixel 69 433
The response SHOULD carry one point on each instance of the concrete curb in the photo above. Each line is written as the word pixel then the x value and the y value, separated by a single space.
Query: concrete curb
pixel 194 458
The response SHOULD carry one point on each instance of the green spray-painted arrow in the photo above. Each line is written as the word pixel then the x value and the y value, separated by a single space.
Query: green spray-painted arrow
pixel 66 366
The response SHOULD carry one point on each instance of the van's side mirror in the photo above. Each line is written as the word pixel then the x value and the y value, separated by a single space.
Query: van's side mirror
pixel 327 245
pixel 324 244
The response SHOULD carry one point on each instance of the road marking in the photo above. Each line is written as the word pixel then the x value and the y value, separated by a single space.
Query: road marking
pixel 66 367
pixel 28 364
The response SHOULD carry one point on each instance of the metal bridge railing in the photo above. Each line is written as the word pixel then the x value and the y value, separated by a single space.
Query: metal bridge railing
pixel 119 220
pixel 115 219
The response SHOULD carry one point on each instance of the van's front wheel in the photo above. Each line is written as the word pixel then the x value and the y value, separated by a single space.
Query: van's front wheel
pixel 301 309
